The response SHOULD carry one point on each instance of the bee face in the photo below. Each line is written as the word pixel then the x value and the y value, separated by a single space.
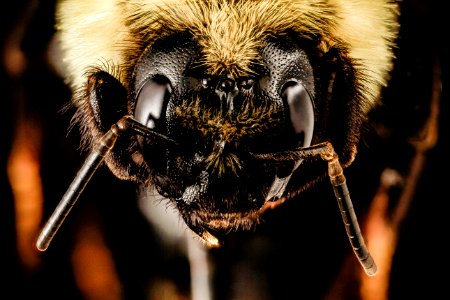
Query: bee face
pixel 218 119
pixel 226 80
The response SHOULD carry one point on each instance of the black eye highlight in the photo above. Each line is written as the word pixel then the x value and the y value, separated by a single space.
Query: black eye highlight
pixel 301 111
pixel 152 101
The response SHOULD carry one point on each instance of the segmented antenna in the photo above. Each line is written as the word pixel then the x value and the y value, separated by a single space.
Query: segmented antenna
pixel 84 175
pixel 338 181
pixel 107 142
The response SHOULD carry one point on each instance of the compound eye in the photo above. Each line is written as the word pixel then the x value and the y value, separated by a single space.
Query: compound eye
pixel 151 101
pixel 301 111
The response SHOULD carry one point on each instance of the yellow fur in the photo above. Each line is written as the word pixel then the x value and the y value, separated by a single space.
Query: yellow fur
pixel 94 32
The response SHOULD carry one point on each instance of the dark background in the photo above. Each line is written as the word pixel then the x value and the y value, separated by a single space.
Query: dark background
pixel 32 93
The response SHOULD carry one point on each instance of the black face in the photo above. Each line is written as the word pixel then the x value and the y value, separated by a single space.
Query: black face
pixel 292 98
pixel 218 120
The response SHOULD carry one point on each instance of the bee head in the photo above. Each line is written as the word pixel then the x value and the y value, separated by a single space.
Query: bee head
pixel 226 80
pixel 218 118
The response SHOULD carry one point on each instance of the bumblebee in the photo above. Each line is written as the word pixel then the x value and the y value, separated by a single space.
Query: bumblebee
pixel 230 103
